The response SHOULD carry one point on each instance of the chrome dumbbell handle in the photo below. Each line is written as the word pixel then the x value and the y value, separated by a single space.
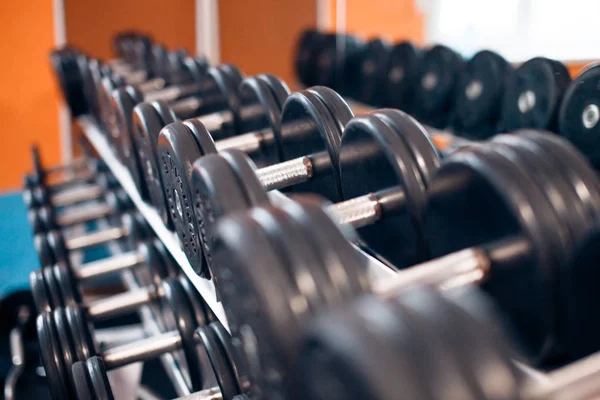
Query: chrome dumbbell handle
pixel 123 303
pixel 76 195
pixel 96 238
pixel 110 265
pixel 83 214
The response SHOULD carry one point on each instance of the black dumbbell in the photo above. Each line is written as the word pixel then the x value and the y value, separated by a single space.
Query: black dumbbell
pixel 310 127
pixel 58 285
pixel 65 63
pixel 533 95
pixel 433 100
pixel 579 114
pixel 46 218
pixel 66 337
pixel 385 162
pixel 53 247
pixel 367 72
pixel 401 75
pixel 91 380
pixel 39 196
pixel 479 95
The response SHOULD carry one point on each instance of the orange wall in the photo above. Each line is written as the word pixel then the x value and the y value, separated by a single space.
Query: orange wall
pixel 394 20
pixel 91 25
pixel 260 35
pixel 28 99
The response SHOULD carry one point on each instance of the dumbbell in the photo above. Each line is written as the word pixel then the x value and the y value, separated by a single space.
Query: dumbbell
pixel 366 70
pixel 53 247
pixel 401 75
pixel 65 337
pixel 420 343
pixel 479 95
pixel 311 124
pixel 254 106
pixel 533 95
pixel 91 380
pixel 433 99
pixel 579 114
pixel 532 243
pixel 46 218
pixel 57 285
pixel 384 163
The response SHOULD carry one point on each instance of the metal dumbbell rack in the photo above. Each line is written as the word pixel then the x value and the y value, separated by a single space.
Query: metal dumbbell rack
pixel 377 269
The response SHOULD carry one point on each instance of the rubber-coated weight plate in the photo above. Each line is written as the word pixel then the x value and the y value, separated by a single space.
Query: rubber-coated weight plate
pixel 374 158
pixel 402 70
pixel 533 95
pixel 216 192
pixel 81 332
pixel 146 128
pixel 256 295
pixel 67 346
pixel 304 55
pixel 372 72
pixel 177 151
pixel 99 379
pixel 239 369
pixel 83 386
pixel 66 284
pixel 346 270
pixel 52 289
pixel 39 292
pixel 278 87
pixel 479 95
pixel 580 113
pixel 244 169
pixel 177 301
pixel 51 356
pixel 434 94
pixel 219 363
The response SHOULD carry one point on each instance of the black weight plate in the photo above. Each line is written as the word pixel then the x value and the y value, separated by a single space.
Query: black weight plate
pixel 218 361
pixel 99 379
pixel 340 110
pixel 136 227
pixel 342 356
pixel 83 386
pixel 581 175
pixel 479 95
pixel 416 138
pixel 300 260
pixel 554 183
pixel 304 54
pixel 402 70
pixel 165 113
pixel 227 87
pixel 479 356
pixel 440 356
pixel 52 359
pixel 346 270
pixel 67 346
pixel 123 104
pixel 199 308
pixel 239 369
pixel 146 128
pixel 259 108
pixel 256 295
pixel 216 192
pixel 52 290
pixel 177 151
pixel 39 292
pixel 195 68
pixel 533 95
pixel 372 72
pixel 169 267
pixel 81 332
pixel 308 128
pixel 278 87
pixel 553 237
pixel 36 160
pixel 373 158
pixel 434 94
pixel 66 284
pixel 43 249
pixel 233 73
pixel 155 258
pixel 520 209
pixel 580 111
pixel 202 136
pixel 244 169
pixel 179 305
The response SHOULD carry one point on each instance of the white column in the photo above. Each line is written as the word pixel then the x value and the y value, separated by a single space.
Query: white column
pixel 207 30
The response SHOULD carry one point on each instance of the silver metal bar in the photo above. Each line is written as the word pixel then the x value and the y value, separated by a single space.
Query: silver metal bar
pixel 216 120
pixel 76 195
pixel 84 214
pixel 248 142
pixel 151 85
pixel 358 212
pixel 206 394
pixel 73 165
pixel 465 266
pixel 173 92
pixel 285 174
pixel 95 238
pixel 135 77
pixel 143 350
pixel 76 177
pixel 109 265
pixel 121 303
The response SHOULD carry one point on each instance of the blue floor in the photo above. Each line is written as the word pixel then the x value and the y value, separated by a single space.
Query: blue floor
pixel 17 255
